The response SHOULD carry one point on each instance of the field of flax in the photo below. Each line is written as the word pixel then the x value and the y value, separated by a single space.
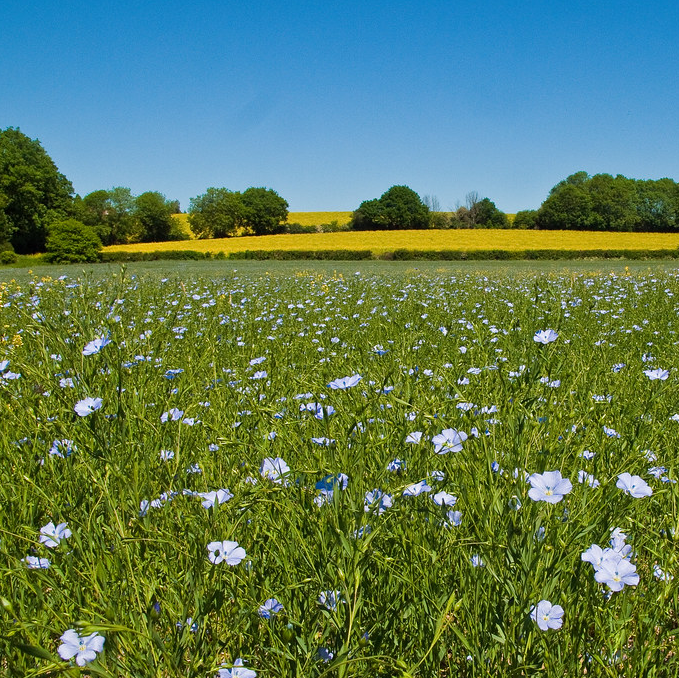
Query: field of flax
pixel 415 474
pixel 380 242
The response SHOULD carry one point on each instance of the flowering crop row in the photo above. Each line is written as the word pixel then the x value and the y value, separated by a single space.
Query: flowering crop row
pixel 420 474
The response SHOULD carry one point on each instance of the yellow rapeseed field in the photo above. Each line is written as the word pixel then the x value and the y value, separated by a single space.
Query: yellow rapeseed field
pixel 385 241
pixel 317 218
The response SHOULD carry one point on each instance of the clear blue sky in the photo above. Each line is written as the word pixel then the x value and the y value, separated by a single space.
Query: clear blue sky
pixel 331 103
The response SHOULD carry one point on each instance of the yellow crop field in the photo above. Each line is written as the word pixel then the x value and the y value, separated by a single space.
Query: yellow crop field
pixel 386 241
pixel 317 218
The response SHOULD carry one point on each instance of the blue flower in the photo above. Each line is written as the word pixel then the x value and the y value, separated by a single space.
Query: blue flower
pixel 545 336
pixel 635 486
pixel 96 345
pixel 87 406
pixel 269 608
pixel 83 648
pixel 549 487
pixel 547 616
pixel 345 382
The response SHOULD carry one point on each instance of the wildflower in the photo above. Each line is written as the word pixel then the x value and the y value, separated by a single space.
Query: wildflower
pixel 33 563
pixel 87 406
pixel 658 374
pixel 322 440
pixel 477 561
pixel 416 489
pixel 51 535
pixel 449 440
pixel 330 599
pixel 588 479
pixel 172 415
pixel 547 616
pixel 414 437
pixel 396 465
pixel 545 336
pixel 96 345
pixel 615 571
pixel 215 497
pixel 229 551
pixel 324 654
pixel 549 487
pixel 345 382
pixel 660 574
pixel 238 670
pixel 444 499
pixel 83 648
pixel 269 608
pixel 166 455
pixel 611 432
pixel 635 486
pixel 61 448
pixel 455 518
pixel 274 470
pixel 377 499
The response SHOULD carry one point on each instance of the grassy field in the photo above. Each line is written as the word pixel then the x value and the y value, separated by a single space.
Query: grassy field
pixel 375 469
pixel 385 241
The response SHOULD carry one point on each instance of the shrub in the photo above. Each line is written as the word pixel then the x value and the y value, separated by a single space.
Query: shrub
pixel 72 242
pixel 8 257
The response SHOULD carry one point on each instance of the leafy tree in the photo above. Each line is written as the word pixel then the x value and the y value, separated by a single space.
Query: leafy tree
pixel 72 242
pixel 264 211
pixel 568 207
pixel 33 193
pixel 218 213
pixel 153 214
pixel 368 216
pixel 525 219
pixel 120 217
pixel 397 208
pixel 489 216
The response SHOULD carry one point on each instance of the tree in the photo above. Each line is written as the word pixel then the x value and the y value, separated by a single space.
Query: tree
pixel 479 213
pixel 72 242
pixel 120 217
pixel 33 193
pixel 218 213
pixel 525 219
pixel 568 207
pixel 397 208
pixel 264 211
pixel 153 214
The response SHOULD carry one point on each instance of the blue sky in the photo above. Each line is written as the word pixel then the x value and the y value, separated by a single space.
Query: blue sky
pixel 331 103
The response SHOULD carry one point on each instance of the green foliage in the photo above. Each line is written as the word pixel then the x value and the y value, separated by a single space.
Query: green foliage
pixel 33 193
pixel 606 203
pixel 398 208
pixel 526 219
pixel 413 598
pixel 479 213
pixel 72 242
pixel 153 215
pixel 217 213
pixel 264 211
pixel 8 257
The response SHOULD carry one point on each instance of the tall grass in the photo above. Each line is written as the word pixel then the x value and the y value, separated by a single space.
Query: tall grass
pixel 250 361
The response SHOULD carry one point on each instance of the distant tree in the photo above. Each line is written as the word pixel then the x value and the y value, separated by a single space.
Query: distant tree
pixel 525 219
pixel 432 202
pixel 33 193
pixel 264 211
pixel 398 208
pixel 368 216
pixel 217 213
pixel 175 207
pixel 72 242
pixel 657 205
pixel 568 206
pixel 479 213
pixel 120 218
pixel 153 214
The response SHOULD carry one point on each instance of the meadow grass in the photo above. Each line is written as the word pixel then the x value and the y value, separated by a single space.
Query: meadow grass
pixel 319 401
pixel 386 241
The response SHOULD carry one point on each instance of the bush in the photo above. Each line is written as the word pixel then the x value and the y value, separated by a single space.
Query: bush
pixel 8 257
pixel 72 242
pixel 296 228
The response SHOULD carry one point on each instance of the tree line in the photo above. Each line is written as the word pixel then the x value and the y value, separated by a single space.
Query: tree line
pixel 35 197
